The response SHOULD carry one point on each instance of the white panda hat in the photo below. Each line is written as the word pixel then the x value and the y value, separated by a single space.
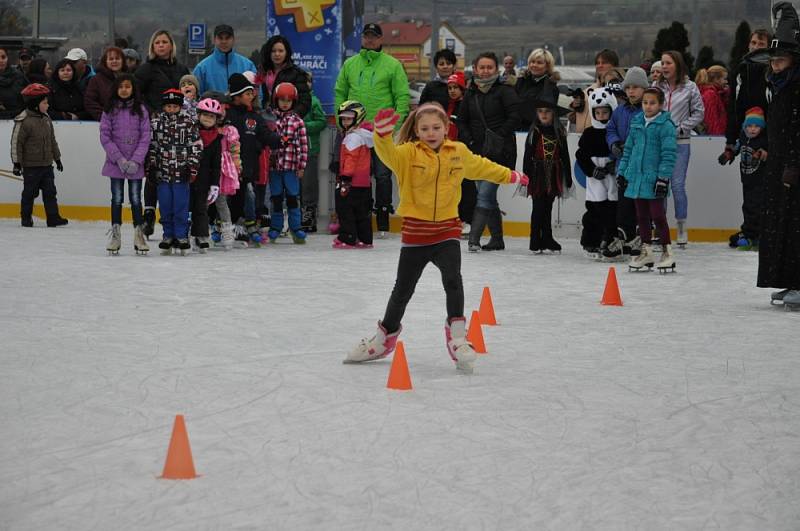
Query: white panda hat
pixel 601 97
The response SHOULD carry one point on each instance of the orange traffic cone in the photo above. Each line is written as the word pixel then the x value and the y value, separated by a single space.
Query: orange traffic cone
pixel 475 333
pixel 179 464
pixel 399 377
pixel 486 310
pixel 611 296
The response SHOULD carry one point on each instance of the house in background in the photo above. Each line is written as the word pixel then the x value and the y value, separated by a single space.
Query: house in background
pixel 410 43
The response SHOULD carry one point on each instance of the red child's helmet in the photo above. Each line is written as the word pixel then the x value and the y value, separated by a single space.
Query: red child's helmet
pixel 286 91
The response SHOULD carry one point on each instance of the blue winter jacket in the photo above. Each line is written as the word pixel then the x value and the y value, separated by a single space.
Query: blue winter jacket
pixel 213 71
pixel 620 123
pixel 649 154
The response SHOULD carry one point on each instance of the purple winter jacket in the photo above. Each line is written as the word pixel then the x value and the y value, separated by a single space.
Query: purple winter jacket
pixel 124 135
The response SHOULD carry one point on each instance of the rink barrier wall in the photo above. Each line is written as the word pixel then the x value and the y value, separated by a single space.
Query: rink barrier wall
pixel 715 193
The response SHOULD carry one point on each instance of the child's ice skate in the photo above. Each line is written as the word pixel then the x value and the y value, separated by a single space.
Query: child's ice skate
pixel 183 245
pixel 240 236
pixel 591 252
pixel 614 251
pixel 149 221
pixel 114 240
pixel 646 259
pixel 339 244
pixel 550 246
pixel 791 301
pixel 683 235
pixel 667 262
pixel 166 245
pixel 776 299
pixel 226 235
pixel 362 245
pixel 460 350
pixel 201 244
pixel 139 243
pixel 633 247
pixel 379 346
pixel 298 236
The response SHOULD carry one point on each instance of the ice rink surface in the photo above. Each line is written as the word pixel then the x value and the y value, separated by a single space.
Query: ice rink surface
pixel 680 410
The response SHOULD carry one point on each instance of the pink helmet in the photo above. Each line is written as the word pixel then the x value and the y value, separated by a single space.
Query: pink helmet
pixel 211 106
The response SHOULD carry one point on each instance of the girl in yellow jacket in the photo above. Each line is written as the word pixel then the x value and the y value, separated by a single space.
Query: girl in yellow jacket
pixel 429 169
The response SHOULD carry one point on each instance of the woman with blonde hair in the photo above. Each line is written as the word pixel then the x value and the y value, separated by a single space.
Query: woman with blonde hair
pixel 538 83
pixel 161 71
pixel 713 85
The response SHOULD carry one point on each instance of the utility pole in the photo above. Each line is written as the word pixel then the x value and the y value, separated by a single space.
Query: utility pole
pixel 36 17
pixel 434 36
pixel 111 30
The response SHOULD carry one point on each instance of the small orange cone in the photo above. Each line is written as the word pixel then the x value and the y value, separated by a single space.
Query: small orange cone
pixel 486 309
pixel 179 464
pixel 399 377
pixel 611 296
pixel 475 333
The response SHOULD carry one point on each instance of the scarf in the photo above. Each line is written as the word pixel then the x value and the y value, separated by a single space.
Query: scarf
pixel 779 81
pixel 208 136
pixel 485 84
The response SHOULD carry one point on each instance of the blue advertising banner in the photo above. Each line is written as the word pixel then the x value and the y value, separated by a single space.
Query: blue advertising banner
pixel 315 30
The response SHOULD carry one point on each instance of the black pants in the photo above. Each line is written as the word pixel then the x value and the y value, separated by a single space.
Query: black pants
pixel 469 199
pixel 753 195
pixel 599 223
pixel 355 216
pixel 541 222
pixel 626 216
pixel 198 204
pixel 447 257
pixel 150 193
pixel 261 200
pixel 37 178
pixel 383 192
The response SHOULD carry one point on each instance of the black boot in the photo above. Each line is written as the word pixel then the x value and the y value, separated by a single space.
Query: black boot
pixel 479 220
pixel 495 223
pixel 149 221
pixel 57 221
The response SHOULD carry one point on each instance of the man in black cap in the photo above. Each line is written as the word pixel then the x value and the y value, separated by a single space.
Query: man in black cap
pixel 378 81
pixel 24 59
pixel 213 71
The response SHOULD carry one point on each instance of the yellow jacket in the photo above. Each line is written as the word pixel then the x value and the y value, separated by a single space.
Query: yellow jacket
pixel 430 182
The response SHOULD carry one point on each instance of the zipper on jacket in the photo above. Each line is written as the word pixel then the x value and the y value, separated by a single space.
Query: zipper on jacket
pixel 436 185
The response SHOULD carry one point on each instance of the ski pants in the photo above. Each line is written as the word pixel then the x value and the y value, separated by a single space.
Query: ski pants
pixel 652 210
pixel 173 199
pixel 37 178
pixel 599 223
pixel 134 198
pixel 383 192
pixel 447 257
pixel 199 208
pixel 284 183
pixel 355 216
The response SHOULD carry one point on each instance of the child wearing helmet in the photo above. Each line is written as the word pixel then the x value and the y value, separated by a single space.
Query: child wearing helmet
pixel 33 150
pixel 205 189
pixel 173 161
pixel 353 195
pixel 288 164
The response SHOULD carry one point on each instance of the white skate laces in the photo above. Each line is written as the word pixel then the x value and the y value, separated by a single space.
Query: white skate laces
pixel 460 350
pixel 379 346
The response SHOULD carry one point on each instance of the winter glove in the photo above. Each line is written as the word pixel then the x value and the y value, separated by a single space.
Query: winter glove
pixel 213 194
pixel 385 121
pixel 519 178
pixel 600 173
pixel 17 169
pixel 727 156
pixel 333 167
pixel 123 164
pixel 132 167
pixel 192 175
pixel 617 149
pixel 661 188
pixel 59 166
pixel 344 188
pixel 761 154
pixel 790 176
pixel 622 183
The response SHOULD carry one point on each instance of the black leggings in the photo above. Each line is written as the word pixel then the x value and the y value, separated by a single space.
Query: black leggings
pixel 447 257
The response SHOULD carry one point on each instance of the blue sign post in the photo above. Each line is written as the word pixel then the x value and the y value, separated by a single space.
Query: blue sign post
pixel 197 39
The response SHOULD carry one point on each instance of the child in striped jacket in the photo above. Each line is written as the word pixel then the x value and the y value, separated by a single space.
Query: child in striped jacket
pixel 429 169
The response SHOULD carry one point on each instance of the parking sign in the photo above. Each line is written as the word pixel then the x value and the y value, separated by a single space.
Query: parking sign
pixel 197 38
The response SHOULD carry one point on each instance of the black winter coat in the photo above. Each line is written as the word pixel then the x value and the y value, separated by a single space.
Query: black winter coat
pixel 748 89
pixel 66 98
pixel 779 243
pixel 210 165
pixel 296 76
pixel 254 136
pixel 155 76
pixel 435 90
pixel 11 84
pixel 500 107
pixel 530 90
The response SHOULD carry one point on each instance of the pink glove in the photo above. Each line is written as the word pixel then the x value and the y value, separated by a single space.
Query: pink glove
pixel 519 178
pixel 385 121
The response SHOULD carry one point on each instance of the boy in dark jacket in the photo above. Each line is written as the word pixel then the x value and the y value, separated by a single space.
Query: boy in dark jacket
pixel 33 150
pixel 254 136
pixel 173 161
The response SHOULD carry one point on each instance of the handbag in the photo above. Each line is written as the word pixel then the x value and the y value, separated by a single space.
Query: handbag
pixel 492 142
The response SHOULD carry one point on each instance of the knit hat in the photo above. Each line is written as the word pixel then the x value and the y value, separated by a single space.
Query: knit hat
pixel 189 78
pixel 457 79
pixel 238 84
pixel 754 116
pixel 130 53
pixel 635 77
pixel 174 96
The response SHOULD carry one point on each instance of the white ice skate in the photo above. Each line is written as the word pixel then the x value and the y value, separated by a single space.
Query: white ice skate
pixel 683 235
pixel 201 244
pixel 613 253
pixel 114 240
pixel 465 228
pixel 139 242
pixel 777 296
pixel 226 230
pixel 791 301
pixel 379 346
pixel 458 347
pixel 667 262
pixel 646 259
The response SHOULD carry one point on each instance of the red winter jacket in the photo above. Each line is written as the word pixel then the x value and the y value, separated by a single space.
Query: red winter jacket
pixel 715 101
